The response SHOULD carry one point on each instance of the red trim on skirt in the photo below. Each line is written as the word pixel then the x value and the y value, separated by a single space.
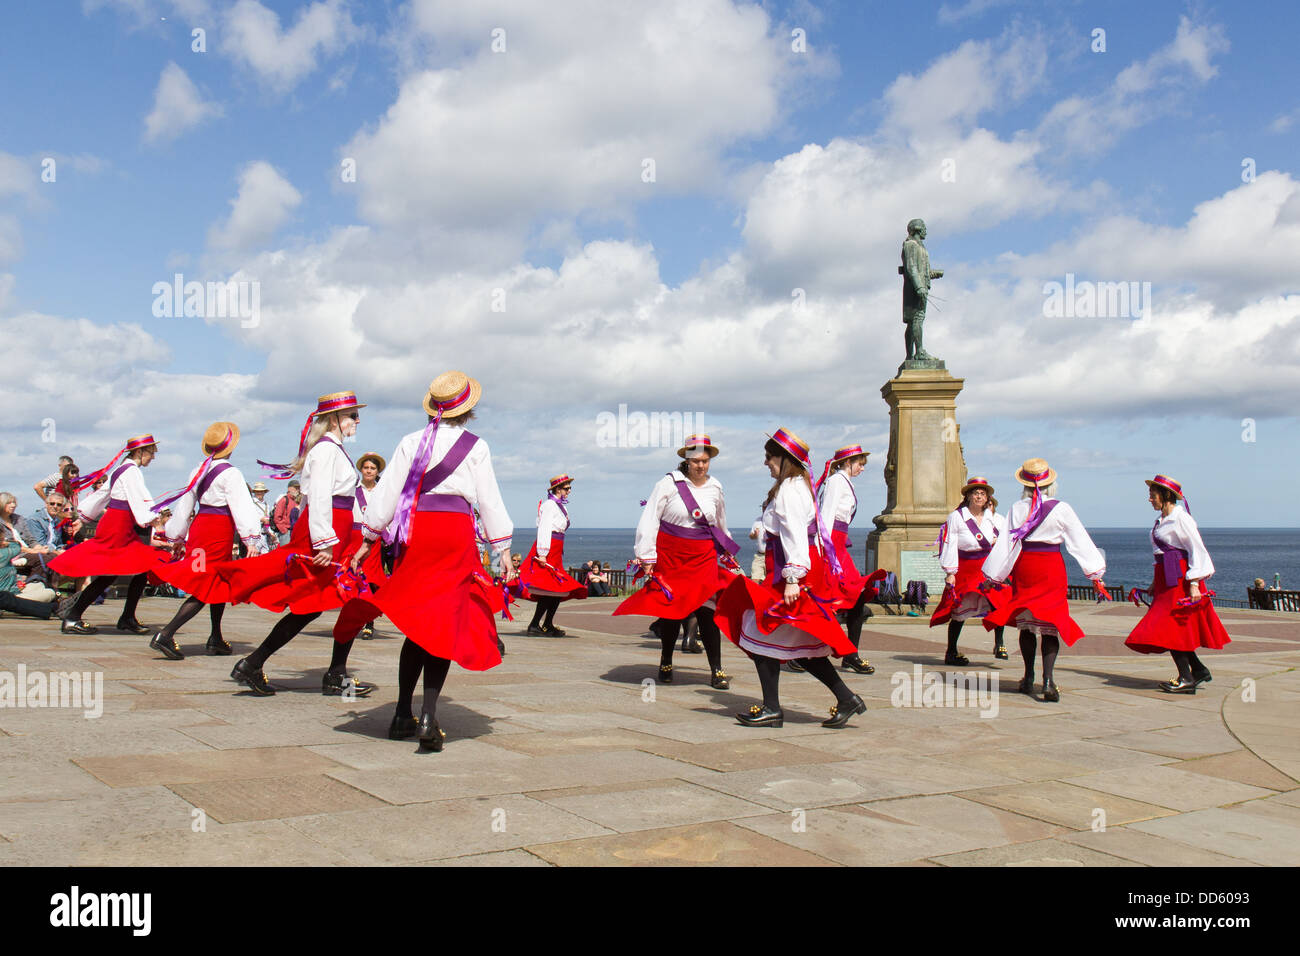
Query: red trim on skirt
pixel 115 549
pixel 438 595
pixel 555 582
pixel 208 544
pixel 970 575
pixel 1037 597
pixel 1166 627
pixel 818 621
pixel 690 569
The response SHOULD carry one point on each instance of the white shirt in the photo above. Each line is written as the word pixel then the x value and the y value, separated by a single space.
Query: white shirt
pixel 992 526
pixel 327 473
pixel 1178 530
pixel 665 504
pixel 838 500
pixel 228 489
pixel 1062 526
pixel 130 488
pixel 788 516
pixel 358 509
pixel 473 479
pixel 550 520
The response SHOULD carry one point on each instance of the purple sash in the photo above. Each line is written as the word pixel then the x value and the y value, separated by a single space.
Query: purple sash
pixel 1040 546
pixel 1027 529
pixel 681 531
pixel 343 501
pixel 843 526
pixel 210 477
pixel 721 540
pixel 450 462
pixel 1169 559
pixel 361 497
pixel 985 546
pixel 121 504
pixel 453 503
pixel 215 510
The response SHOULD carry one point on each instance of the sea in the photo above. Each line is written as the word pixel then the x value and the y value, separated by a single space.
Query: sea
pixel 1240 555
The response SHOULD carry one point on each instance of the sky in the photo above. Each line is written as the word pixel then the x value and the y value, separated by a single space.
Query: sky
pixel 692 207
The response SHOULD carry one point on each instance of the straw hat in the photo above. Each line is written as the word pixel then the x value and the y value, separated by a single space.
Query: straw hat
pixel 848 451
pixel 1035 472
pixel 796 446
pixel 140 441
pixel 696 443
pixel 260 486
pixel 337 402
pixel 371 456
pixel 220 439
pixel 560 480
pixel 973 483
pixel 1164 481
pixel 452 393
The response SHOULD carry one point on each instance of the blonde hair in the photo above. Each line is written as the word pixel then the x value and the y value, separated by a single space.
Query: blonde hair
pixel 1047 491
pixel 845 462
pixel 5 498
pixel 319 426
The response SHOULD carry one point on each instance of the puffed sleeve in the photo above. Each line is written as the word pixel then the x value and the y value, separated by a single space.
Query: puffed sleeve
pixel 1005 551
pixel 547 518
pixel 182 514
pixel 92 506
pixel 1079 544
pixel 243 508
pixel 138 497
pixel 381 502
pixel 491 508
pixel 948 553
pixel 646 547
pixel 1199 565
pixel 794 512
pixel 318 476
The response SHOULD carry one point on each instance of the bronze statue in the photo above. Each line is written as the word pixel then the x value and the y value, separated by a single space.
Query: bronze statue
pixel 916 273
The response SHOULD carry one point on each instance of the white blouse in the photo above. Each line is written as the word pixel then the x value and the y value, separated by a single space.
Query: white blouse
pixel 327 473
pixel 838 500
pixel 550 520
pixel 666 504
pixel 1178 530
pixel 473 479
pixel 130 488
pixel 1062 526
pixel 230 490
pixel 993 526
pixel 787 516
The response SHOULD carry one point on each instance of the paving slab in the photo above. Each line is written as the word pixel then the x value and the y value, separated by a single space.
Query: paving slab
pixel 662 805
pixel 145 769
pixel 273 798
pixel 1070 806
pixel 1233 833
pixel 1037 853
pixel 1241 766
pixel 705 844
pixel 1166 786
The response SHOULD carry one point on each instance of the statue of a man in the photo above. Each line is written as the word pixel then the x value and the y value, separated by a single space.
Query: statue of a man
pixel 916 288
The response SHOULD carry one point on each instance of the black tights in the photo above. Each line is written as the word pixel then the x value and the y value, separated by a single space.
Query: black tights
pixel 285 630
pixel 545 606
pixel 410 663
pixel 98 585
pixel 769 677
pixel 954 632
pixel 710 637
pixel 1029 644
pixel 185 613
pixel 854 618
pixel 1189 665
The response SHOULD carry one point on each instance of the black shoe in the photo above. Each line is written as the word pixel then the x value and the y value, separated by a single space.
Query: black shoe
pixel 76 627
pixel 797 667
pixel 217 647
pixel 665 673
pixel 1050 693
pixel 1183 685
pixel 535 631
pixel 1026 686
pixel 501 647
pixel 953 659
pixel 367 633
pixel 255 680
pixel 344 685
pixel 1000 652
pixel 1204 678
pixel 431 735
pixel 840 714
pixel 720 680
pixel 552 631
pixel 131 626
pixel 167 646
pixel 762 716
pixel 403 728
pixel 856 664
pixel 695 647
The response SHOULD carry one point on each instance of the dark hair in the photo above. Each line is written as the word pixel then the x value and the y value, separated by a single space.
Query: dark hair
pixel 64 485
pixel 790 468
pixel 1166 496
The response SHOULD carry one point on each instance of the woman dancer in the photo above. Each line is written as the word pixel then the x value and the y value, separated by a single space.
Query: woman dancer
pixel 225 509
pixel 791 614
pixel 543 572
pixel 124 509
pixel 839 503
pixel 681 537
pixel 371 467
pixel 966 541
pixel 310 574
pixel 1030 554
pixel 438 595
pixel 1181 617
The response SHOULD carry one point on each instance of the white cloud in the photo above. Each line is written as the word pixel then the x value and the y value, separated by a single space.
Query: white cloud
pixel 264 203
pixel 253 37
pixel 177 106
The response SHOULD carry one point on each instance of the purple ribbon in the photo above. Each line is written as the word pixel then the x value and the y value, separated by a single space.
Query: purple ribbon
pixel 401 523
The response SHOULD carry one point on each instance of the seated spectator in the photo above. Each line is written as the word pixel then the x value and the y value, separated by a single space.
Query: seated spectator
pixel 597 580
pixel 9 599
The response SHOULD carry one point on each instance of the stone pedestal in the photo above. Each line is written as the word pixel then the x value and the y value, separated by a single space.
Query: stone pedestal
pixel 924 474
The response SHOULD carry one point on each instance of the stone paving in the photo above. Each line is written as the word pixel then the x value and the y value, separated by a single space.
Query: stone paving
pixel 561 756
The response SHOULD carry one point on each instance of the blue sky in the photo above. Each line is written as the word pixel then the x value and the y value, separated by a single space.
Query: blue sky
pixel 520 170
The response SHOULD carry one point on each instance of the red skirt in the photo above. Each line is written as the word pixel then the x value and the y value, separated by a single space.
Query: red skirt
pixel 552 581
pixel 277 580
pixel 851 584
pixel 963 600
pixel 689 568
pixel 115 549
pixel 208 544
pixel 1166 627
pixel 1037 597
pixel 438 595
pixel 807 615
